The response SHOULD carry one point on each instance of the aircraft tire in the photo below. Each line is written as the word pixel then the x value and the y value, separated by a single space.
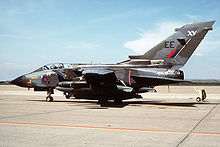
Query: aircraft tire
pixel 103 102
pixel 67 96
pixel 49 98
pixel 198 99
pixel 118 101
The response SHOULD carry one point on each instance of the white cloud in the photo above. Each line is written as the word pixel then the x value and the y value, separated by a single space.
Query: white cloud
pixel 192 17
pixel 10 65
pixel 9 36
pixel 199 54
pixel 210 43
pixel 13 70
pixel 82 45
pixel 151 38
pixel 16 36
pixel 15 11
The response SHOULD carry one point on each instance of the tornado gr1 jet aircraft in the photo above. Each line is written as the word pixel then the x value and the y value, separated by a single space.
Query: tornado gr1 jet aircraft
pixel 140 73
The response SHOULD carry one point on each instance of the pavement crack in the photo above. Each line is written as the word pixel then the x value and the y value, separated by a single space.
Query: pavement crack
pixel 196 126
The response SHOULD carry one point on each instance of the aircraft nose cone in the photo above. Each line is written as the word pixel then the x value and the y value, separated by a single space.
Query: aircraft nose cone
pixel 19 81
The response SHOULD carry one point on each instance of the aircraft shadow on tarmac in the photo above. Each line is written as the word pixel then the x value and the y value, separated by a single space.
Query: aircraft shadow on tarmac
pixel 131 103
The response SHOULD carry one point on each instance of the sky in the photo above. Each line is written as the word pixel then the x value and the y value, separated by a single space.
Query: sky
pixel 37 32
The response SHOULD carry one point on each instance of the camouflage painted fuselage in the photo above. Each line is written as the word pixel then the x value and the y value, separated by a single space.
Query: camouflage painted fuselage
pixel 158 66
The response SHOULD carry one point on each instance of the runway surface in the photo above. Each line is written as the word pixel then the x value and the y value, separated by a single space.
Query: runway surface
pixel 159 119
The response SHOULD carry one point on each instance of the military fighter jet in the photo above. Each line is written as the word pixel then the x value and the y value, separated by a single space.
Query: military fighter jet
pixel 125 80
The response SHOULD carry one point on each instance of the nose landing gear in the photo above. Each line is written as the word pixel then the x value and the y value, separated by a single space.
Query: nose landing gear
pixel 49 98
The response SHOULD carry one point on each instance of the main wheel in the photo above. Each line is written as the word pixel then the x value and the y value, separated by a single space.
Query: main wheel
pixel 198 99
pixel 118 101
pixel 67 95
pixel 103 102
pixel 49 98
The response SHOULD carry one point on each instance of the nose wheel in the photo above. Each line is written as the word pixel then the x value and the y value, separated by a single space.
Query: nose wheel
pixel 49 98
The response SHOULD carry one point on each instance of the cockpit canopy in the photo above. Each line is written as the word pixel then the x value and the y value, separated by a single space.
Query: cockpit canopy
pixel 53 66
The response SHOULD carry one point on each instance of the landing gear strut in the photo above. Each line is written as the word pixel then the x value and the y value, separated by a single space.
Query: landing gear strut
pixel 103 101
pixel 118 101
pixel 202 95
pixel 49 98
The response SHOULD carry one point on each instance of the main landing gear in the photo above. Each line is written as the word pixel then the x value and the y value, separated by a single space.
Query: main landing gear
pixel 118 101
pixel 67 95
pixel 49 98
pixel 104 101
pixel 202 95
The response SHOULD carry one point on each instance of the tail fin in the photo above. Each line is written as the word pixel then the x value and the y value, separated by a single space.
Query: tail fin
pixel 177 48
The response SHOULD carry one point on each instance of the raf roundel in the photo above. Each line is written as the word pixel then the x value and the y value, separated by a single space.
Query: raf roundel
pixel 45 79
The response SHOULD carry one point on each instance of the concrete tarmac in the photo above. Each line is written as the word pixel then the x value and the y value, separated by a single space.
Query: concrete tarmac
pixel 166 118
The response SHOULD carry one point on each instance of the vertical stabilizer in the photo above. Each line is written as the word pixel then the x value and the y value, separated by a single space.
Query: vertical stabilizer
pixel 178 47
